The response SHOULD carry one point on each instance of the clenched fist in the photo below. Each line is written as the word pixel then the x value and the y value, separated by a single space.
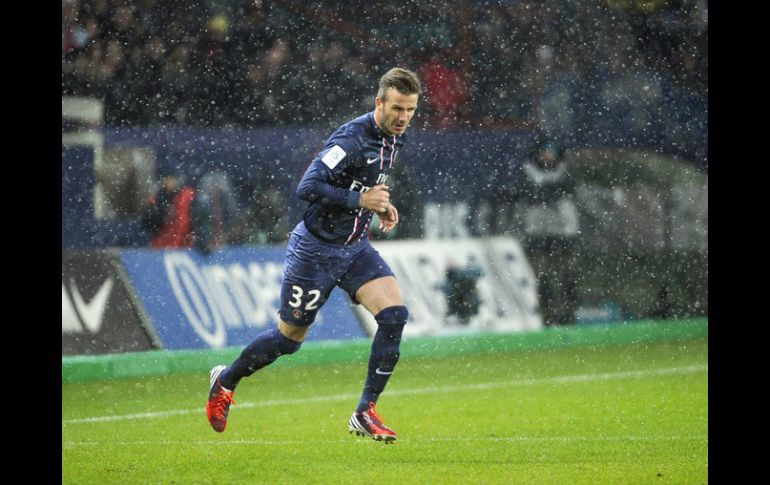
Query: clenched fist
pixel 376 199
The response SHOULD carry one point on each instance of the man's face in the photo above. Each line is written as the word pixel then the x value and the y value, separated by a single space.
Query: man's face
pixel 394 113
pixel 170 182
pixel 547 157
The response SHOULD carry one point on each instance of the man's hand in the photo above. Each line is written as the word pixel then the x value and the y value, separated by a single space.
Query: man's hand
pixel 388 219
pixel 376 199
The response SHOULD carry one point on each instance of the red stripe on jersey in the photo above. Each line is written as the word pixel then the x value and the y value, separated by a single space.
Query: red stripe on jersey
pixel 392 151
pixel 382 153
pixel 355 225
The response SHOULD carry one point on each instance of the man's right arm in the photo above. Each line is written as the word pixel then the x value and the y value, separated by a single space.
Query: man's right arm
pixel 316 186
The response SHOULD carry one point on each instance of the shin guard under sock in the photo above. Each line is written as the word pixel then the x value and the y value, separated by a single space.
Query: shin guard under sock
pixel 263 351
pixel 384 354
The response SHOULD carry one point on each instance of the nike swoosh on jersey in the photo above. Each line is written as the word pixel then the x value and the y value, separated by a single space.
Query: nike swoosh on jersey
pixel 372 160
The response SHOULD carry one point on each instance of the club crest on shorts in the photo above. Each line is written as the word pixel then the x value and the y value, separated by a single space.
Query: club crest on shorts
pixel 296 313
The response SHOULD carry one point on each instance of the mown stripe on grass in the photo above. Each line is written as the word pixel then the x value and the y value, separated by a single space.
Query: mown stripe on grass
pixel 164 362
pixel 567 379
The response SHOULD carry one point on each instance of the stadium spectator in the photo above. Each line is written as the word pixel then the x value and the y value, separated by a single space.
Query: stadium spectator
pixel 263 221
pixel 501 63
pixel 168 214
pixel 277 63
pixel 462 296
pixel 177 83
pixel 544 196
pixel 123 25
pixel 629 94
pixel 129 101
pixel 214 211
pixel 69 28
pixel 445 90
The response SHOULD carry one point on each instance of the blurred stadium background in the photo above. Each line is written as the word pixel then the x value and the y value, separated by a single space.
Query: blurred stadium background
pixel 252 88
pixel 247 91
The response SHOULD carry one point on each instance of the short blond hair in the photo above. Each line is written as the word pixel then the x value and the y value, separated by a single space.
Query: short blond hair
pixel 403 80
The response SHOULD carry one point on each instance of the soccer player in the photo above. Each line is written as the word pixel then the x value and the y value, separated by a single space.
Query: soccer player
pixel 345 184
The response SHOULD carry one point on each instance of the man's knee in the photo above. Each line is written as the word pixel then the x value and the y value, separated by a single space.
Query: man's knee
pixel 390 327
pixel 289 338
pixel 387 340
pixel 378 294
pixel 392 315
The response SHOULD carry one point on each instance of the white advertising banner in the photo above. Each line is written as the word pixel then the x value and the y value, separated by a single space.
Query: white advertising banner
pixel 506 286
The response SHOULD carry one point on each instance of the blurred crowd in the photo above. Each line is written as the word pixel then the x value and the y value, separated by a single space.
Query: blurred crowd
pixel 559 64
pixel 580 72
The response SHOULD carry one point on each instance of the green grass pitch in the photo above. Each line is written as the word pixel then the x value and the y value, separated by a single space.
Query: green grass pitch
pixel 630 414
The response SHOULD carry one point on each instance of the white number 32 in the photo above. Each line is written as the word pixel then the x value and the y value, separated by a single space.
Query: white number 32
pixel 296 300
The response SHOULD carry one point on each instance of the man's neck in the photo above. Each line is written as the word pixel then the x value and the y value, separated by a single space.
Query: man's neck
pixel 378 123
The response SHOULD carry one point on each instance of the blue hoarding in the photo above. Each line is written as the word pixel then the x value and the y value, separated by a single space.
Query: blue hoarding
pixel 224 299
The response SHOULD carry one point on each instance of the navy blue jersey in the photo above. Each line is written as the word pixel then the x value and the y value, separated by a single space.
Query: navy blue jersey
pixel 355 158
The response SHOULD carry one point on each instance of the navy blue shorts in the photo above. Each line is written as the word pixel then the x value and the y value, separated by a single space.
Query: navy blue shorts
pixel 312 268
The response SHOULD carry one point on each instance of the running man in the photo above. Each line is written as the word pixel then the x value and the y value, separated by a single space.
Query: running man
pixel 345 184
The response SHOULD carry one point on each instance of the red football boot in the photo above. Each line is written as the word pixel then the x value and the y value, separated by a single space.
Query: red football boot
pixel 218 405
pixel 369 423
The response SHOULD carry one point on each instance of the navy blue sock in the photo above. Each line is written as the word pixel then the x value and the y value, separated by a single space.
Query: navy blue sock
pixel 385 353
pixel 263 351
